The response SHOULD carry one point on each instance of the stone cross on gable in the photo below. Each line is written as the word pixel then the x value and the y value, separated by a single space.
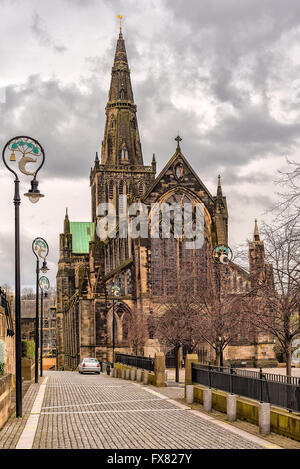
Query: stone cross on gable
pixel 178 140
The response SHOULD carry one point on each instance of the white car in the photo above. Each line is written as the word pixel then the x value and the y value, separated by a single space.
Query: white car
pixel 89 365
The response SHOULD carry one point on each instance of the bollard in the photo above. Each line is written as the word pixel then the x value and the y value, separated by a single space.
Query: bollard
pixel 132 375
pixel 146 377
pixel 108 369
pixel 127 374
pixel 139 375
pixel 207 399
pixel 159 369
pixel 189 394
pixel 231 407
pixel 123 373
pixel 264 418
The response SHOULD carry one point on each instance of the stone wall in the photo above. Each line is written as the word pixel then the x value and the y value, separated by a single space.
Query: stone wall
pixel 5 398
pixel 9 343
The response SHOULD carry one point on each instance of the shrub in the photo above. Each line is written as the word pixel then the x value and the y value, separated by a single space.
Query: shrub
pixel 2 357
pixel 28 349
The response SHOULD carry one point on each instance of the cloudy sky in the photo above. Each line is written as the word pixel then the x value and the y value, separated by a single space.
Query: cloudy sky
pixel 224 73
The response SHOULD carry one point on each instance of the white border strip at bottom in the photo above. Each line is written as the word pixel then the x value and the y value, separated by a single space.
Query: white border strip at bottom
pixel 27 436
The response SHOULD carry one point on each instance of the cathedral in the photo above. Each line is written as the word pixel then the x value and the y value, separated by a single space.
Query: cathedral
pixel 144 269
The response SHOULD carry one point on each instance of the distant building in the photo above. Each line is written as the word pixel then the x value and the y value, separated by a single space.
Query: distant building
pixel 49 332
pixel 28 310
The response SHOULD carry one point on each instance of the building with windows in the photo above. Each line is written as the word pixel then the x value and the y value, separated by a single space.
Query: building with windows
pixel 145 269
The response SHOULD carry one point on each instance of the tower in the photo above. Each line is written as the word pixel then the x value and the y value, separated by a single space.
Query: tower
pixel 221 215
pixel 121 170
pixel 256 254
pixel 64 286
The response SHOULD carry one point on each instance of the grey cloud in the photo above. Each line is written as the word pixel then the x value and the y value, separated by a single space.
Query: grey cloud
pixel 40 32
pixel 66 120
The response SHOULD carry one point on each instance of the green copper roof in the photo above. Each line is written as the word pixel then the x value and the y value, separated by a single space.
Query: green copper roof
pixel 82 233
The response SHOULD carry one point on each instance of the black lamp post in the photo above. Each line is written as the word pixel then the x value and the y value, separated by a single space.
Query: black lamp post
pixel 40 249
pixel 44 285
pixel 116 293
pixel 222 255
pixel 17 153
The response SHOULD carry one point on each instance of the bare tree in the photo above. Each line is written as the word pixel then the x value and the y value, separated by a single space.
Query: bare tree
pixel 137 331
pixel 28 294
pixel 178 325
pixel 289 204
pixel 220 316
pixel 275 310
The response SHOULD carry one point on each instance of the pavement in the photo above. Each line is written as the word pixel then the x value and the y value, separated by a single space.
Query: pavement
pixel 71 411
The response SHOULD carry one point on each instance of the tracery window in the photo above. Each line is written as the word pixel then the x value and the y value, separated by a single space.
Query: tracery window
pixel 171 260
pixel 141 189
pixel 111 190
pixel 124 153
pixel 129 283
pixel 123 283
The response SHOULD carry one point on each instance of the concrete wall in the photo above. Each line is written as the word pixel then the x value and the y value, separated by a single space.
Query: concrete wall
pixel 5 399
pixel 120 367
pixel 282 422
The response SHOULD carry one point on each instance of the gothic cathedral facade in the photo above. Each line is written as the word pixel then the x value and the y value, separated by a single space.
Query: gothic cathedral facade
pixel 144 269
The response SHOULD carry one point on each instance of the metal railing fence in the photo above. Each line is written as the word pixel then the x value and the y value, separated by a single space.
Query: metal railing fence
pixel 264 387
pixel 146 363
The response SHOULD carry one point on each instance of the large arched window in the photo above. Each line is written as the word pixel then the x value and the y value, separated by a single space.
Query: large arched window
pixel 174 258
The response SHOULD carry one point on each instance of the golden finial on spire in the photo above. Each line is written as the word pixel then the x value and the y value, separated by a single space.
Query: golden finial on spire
pixel 120 18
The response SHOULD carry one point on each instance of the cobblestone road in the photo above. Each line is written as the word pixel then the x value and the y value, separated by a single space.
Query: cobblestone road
pixel 91 411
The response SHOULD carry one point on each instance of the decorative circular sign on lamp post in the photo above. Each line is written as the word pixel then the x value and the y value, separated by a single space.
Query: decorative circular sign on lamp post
pixel 44 283
pixel 25 154
pixel 40 247
pixel 223 254
pixel 115 290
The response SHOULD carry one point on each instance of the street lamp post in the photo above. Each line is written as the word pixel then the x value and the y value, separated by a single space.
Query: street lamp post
pixel 17 153
pixel 40 249
pixel 116 293
pixel 44 285
pixel 222 255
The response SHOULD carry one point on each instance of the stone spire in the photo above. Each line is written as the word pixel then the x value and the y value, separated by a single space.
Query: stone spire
pixel 96 160
pixel 154 163
pixel 219 189
pixel 256 232
pixel 121 144
pixel 66 223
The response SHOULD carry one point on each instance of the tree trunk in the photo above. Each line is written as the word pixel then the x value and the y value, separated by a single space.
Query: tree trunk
pixel 177 364
pixel 218 357
pixel 288 355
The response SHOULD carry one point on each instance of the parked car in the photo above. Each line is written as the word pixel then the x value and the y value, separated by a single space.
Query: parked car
pixel 89 365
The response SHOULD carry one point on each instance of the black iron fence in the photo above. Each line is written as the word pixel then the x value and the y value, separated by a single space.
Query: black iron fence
pixel 134 360
pixel 278 390
pixel 170 361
